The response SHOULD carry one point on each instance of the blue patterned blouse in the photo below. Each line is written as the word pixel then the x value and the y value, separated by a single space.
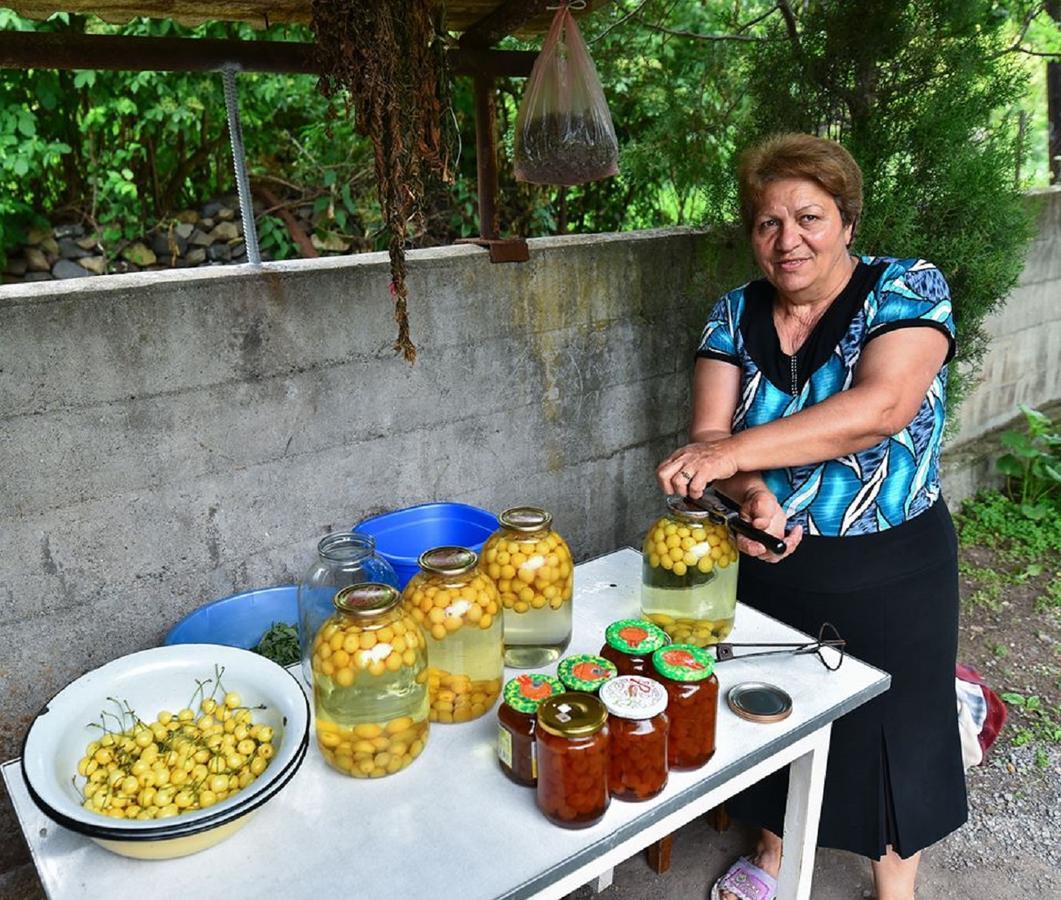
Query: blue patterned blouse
pixel 878 487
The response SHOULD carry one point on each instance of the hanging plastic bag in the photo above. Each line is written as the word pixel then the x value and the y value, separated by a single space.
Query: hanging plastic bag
pixel 564 132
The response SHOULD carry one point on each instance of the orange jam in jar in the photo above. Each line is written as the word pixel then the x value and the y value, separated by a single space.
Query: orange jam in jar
pixel 517 718
pixel 637 736
pixel 572 735
pixel 687 672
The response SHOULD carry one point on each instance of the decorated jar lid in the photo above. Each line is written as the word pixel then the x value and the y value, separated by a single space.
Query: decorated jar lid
pixel 572 715
pixel 525 692
pixel 525 518
pixel 683 662
pixel 634 697
pixel 585 672
pixel 366 599
pixel 448 560
pixel 635 637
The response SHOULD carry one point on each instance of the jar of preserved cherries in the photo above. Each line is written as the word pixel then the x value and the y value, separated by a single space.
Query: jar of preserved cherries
pixel 516 720
pixel 369 683
pixel 572 735
pixel 585 672
pixel 687 672
pixel 532 567
pixel 458 608
pixel 637 736
pixel 630 643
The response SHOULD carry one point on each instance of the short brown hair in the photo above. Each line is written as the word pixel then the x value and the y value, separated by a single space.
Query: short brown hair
pixel 800 156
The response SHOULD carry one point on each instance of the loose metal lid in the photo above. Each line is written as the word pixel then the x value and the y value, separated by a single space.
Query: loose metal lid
pixel 634 697
pixel 525 518
pixel 572 715
pixel 448 560
pixel 635 637
pixel 585 672
pixel 757 701
pixel 524 693
pixel 683 662
pixel 366 599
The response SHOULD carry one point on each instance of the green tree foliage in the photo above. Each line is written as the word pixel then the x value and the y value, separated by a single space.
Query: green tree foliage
pixel 122 150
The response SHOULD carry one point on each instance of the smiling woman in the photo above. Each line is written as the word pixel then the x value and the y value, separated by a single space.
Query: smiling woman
pixel 818 405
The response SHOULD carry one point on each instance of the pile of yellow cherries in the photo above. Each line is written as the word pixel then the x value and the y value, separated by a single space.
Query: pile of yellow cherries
pixel 177 763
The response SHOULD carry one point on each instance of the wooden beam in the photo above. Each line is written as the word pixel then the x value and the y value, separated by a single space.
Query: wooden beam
pixel 56 50
pixel 507 18
pixel 1053 103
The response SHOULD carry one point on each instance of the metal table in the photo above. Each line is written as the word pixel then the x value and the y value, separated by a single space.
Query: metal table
pixel 452 826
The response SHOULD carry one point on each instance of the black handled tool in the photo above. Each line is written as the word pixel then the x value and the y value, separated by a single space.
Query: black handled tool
pixel 726 512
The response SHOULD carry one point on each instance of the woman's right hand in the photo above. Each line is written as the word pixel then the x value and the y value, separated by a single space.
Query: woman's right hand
pixel 760 507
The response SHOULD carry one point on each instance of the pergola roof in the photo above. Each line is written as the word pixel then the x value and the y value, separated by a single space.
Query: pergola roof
pixel 460 14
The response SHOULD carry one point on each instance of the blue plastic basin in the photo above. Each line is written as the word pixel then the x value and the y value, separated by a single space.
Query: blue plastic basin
pixel 239 620
pixel 401 536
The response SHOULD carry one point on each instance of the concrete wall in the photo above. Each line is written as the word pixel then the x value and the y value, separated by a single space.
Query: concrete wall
pixel 1022 363
pixel 174 438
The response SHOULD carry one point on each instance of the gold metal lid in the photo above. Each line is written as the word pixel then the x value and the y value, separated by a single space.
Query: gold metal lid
pixel 573 714
pixel 367 599
pixel 448 560
pixel 758 701
pixel 525 518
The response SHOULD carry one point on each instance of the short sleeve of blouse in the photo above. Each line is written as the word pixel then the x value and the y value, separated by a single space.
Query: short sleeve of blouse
pixel 719 339
pixel 916 297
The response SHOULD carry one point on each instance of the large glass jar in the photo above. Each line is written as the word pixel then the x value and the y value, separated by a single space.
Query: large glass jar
pixel 585 672
pixel 637 736
pixel 688 674
pixel 370 683
pixel 343 558
pixel 630 643
pixel 689 575
pixel 572 736
pixel 458 607
pixel 517 719
pixel 531 565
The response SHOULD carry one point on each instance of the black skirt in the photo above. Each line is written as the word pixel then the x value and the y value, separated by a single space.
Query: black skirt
pixel 895 774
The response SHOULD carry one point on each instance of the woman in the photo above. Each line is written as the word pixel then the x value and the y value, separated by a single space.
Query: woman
pixel 818 402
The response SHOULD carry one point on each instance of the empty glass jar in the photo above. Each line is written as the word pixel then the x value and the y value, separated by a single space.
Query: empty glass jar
pixel 343 558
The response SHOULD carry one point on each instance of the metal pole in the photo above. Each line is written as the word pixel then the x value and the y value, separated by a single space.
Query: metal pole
pixel 239 162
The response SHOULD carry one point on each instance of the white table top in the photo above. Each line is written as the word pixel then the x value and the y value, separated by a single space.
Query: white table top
pixel 451 825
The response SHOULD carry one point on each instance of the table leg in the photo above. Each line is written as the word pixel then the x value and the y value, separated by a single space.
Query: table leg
pixel 603 881
pixel 806 780
pixel 659 854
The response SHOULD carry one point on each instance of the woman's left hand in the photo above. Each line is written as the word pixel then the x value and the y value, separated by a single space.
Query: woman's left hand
pixel 689 470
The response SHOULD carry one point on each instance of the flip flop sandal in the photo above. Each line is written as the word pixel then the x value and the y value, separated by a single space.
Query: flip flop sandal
pixel 746 881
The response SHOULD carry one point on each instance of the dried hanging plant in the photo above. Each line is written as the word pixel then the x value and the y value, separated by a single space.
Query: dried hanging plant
pixel 390 58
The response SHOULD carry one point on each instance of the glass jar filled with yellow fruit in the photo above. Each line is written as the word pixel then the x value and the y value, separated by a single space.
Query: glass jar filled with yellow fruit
pixel 370 691
pixel 531 565
pixel 458 607
pixel 689 575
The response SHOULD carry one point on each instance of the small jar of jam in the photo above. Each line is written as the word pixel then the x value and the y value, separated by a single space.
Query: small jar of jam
pixel 572 736
pixel 630 643
pixel 516 719
pixel 585 672
pixel 637 736
pixel 687 672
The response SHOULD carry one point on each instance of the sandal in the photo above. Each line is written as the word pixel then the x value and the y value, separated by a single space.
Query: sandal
pixel 746 881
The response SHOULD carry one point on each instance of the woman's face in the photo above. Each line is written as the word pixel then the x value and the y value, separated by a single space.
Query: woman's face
pixel 799 239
